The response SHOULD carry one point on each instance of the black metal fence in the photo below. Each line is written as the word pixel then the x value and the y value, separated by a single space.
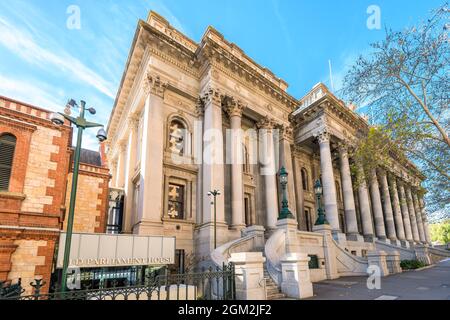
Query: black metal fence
pixel 211 284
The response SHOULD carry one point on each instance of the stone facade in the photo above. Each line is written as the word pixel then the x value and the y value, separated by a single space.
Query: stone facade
pixel 192 117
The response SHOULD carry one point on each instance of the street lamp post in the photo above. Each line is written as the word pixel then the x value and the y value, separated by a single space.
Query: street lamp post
pixel 285 213
pixel 214 193
pixel 321 216
pixel 81 123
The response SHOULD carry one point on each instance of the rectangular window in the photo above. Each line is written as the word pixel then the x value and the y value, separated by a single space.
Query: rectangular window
pixel 314 262
pixel 176 201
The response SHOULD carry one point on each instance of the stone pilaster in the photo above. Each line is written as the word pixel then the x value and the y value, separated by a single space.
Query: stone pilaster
pixel 387 206
pixel 152 154
pixel 329 187
pixel 377 206
pixel 133 123
pixel 347 188
pixel 121 167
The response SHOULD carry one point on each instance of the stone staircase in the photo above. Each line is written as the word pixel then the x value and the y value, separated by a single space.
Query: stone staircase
pixel 272 290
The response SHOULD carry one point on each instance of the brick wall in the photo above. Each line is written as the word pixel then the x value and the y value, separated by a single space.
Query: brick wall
pixel 31 211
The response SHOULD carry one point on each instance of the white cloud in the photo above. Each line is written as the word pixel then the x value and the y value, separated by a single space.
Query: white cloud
pixel 23 45
pixel 34 93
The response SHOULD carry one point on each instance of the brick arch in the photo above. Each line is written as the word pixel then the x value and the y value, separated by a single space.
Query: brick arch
pixel 20 159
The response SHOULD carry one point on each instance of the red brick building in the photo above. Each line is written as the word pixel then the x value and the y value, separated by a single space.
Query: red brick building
pixel 35 182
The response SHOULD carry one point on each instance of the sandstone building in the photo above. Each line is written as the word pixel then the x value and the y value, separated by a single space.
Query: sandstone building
pixel 35 181
pixel 190 118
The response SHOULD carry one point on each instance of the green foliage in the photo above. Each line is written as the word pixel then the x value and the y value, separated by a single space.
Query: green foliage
pixel 412 264
pixel 440 232
pixel 403 84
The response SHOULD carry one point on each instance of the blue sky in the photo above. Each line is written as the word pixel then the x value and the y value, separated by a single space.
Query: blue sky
pixel 45 63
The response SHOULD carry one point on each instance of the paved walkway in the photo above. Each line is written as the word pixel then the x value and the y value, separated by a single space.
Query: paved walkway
pixel 426 284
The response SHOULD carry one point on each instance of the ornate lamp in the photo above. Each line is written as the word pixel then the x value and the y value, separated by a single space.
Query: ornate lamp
pixel 321 217
pixel 285 213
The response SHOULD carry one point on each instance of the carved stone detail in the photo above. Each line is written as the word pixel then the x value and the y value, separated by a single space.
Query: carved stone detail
pixel 233 107
pixel 153 85
pixel 322 136
pixel 212 95
pixel 266 123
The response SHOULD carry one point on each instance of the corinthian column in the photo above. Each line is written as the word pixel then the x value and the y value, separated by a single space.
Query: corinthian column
pixel 329 187
pixel 418 218
pixel 405 212
pixel 347 188
pixel 213 160
pixel 412 215
pixel 234 110
pixel 397 210
pixel 268 169
pixel 425 220
pixel 377 207
pixel 287 162
pixel 387 206
pixel 364 206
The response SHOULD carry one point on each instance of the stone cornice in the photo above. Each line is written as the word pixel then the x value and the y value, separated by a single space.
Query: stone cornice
pixel 236 69
pixel 28 122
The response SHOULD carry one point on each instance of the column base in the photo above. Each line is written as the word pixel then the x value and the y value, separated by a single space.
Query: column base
pixel 204 237
pixel 385 240
pixel 369 238
pixel 149 227
pixel 404 243
pixel 396 242
pixel 238 227
pixel 339 237
pixel 354 237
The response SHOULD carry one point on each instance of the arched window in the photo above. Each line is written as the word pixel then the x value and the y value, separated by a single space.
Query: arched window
pixel 7 148
pixel 177 137
pixel 305 182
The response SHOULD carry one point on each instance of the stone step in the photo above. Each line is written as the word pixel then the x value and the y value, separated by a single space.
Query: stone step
pixel 276 296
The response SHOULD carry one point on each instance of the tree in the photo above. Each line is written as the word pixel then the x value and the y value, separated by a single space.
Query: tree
pixel 440 232
pixel 404 82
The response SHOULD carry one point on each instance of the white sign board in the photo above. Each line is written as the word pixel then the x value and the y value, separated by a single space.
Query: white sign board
pixel 90 250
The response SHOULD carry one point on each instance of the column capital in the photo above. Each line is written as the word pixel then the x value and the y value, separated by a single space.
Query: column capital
pixel 133 122
pixel 233 107
pixel 323 136
pixel 266 123
pixel 199 107
pixel 153 85
pixel 122 145
pixel 212 95
pixel 287 132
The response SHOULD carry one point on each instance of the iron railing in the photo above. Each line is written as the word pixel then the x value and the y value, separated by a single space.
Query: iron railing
pixel 210 284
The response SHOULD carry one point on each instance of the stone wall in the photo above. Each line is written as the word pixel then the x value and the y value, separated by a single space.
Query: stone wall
pixel 91 207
